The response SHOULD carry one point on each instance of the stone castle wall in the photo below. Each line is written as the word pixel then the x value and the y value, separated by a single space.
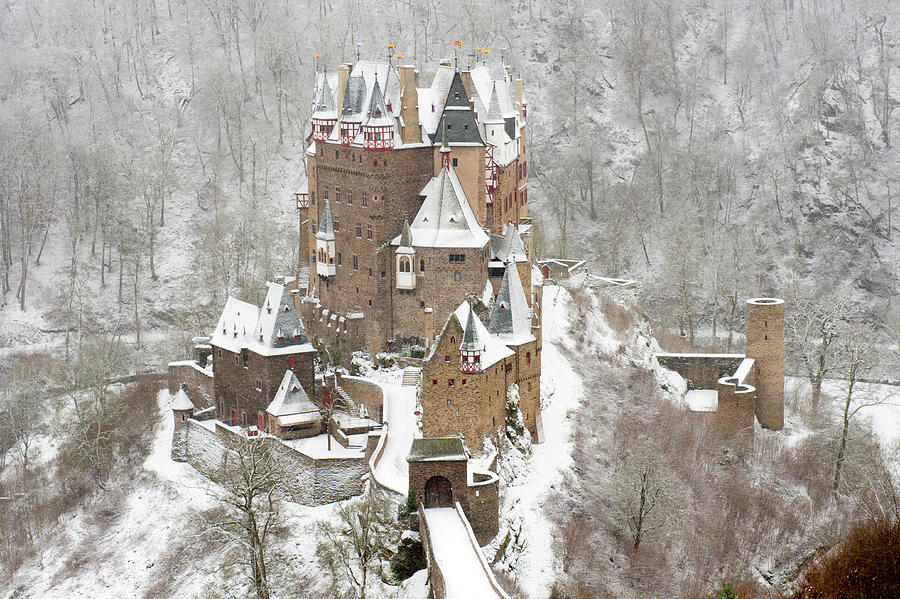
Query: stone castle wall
pixel 198 382
pixel 309 481
pixel 702 370
pixel 366 393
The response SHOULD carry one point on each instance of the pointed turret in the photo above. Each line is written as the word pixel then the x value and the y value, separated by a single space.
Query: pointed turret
pixel 324 115
pixel 378 128
pixel 510 314
pixel 471 347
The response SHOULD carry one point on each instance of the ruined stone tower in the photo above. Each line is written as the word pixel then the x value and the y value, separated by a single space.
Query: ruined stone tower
pixel 765 344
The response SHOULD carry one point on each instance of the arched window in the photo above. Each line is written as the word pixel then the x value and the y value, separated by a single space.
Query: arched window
pixel 422 266
pixel 404 264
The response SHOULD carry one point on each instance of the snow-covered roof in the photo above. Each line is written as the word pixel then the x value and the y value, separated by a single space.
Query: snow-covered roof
pixel 437 448
pixel 273 329
pixel 377 114
pixel 292 400
pixel 326 226
pixel 181 401
pixel 445 218
pixel 324 106
pixel 510 315
pixel 471 341
pixel 494 349
pixel 509 246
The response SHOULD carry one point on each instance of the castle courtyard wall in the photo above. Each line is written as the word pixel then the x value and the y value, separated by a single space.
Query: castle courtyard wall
pixel 703 370
pixel 198 382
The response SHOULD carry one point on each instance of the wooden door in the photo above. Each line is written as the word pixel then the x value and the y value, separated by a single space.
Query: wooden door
pixel 438 492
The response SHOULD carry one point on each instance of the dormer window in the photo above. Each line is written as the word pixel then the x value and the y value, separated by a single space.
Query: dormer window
pixel 280 339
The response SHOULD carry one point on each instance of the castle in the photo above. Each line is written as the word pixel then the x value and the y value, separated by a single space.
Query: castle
pixel 737 390
pixel 417 196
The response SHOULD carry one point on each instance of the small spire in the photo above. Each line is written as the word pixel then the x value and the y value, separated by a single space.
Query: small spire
pixel 406 235
pixel 445 146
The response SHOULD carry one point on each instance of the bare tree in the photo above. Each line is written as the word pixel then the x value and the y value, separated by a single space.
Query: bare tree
pixel 857 355
pixel 354 546
pixel 252 486
pixel 23 401
pixel 644 493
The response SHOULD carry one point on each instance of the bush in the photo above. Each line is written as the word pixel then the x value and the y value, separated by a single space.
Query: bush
pixel 867 564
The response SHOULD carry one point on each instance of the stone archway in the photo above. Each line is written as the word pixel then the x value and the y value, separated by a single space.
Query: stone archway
pixel 438 492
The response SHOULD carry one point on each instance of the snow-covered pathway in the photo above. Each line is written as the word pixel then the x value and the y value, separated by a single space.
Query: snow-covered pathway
pixel 462 566
pixel 392 470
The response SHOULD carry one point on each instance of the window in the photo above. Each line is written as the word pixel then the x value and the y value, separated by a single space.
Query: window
pixel 243 418
pixel 258 360
pixel 508 368
pixel 464 382
pixel 383 274
pixel 369 231
pixel 355 262
pixel 291 361
pixel 404 264
pixel 455 162
pixel 349 197
pixel 457 258
pixel 375 162
pixel 456 276
pixel 447 359
pixel 358 230
pixel 528 357
pixel 449 402
pixel 422 266
pixel 258 385
pixel 337 223
pixel 451 382
pixel 337 156
pixel 220 352
pixel 452 339
pixel 365 200
pixel 370 272
pixel 339 260
pixel 337 195
pixel 325 191
pixel 235 360
pixel 434 381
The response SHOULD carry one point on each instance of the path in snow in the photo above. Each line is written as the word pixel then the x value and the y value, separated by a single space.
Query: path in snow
pixel 392 470
pixel 459 562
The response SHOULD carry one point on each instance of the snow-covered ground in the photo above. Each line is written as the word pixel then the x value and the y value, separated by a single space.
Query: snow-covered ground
pixel 392 470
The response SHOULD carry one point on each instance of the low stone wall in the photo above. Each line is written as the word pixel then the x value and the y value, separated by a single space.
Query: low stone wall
pixel 435 576
pixel 483 509
pixel 366 393
pixel 198 381
pixel 309 481
pixel 703 371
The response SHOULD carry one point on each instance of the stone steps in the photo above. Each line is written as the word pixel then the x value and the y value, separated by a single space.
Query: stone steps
pixel 411 376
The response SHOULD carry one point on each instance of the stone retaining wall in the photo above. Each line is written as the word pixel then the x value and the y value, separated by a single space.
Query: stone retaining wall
pixel 198 381
pixel 309 481
pixel 703 371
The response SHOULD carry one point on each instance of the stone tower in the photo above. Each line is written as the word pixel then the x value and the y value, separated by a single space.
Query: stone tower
pixel 765 344
pixel 182 411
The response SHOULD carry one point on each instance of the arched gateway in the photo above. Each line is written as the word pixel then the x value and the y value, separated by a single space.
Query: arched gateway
pixel 438 492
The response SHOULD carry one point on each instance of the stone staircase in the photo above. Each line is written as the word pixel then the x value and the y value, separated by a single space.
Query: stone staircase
pixel 411 376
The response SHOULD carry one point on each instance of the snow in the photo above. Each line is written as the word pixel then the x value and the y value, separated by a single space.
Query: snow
pixel 526 496
pixel 392 470
pixel 494 349
pixel 459 561
pixel 317 447
pixel 702 400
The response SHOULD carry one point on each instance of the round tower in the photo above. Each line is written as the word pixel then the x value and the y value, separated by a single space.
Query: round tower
pixel 765 344
pixel 182 411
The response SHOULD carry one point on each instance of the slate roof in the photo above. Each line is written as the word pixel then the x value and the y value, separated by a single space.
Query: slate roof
pixel 437 449
pixel 458 116
pixel 291 399
pixel 445 218
pixel 509 246
pixel 274 329
pixel 510 315
pixel 326 226
pixel 324 106
pixel 470 341
pixel 377 114
pixel 493 347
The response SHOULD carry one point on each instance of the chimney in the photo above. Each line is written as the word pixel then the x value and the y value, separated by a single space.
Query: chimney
pixel 429 328
pixel 343 77
pixel 519 96
pixel 466 77
pixel 410 133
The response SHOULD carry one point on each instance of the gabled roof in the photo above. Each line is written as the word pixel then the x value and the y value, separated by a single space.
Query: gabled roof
pixel 445 218
pixel 471 341
pixel 274 329
pixel 510 315
pixel 291 399
pixel 437 449
pixel 326 227
pixel 458 116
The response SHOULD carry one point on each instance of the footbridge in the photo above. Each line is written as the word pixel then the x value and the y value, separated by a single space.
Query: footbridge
pixel 457 568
